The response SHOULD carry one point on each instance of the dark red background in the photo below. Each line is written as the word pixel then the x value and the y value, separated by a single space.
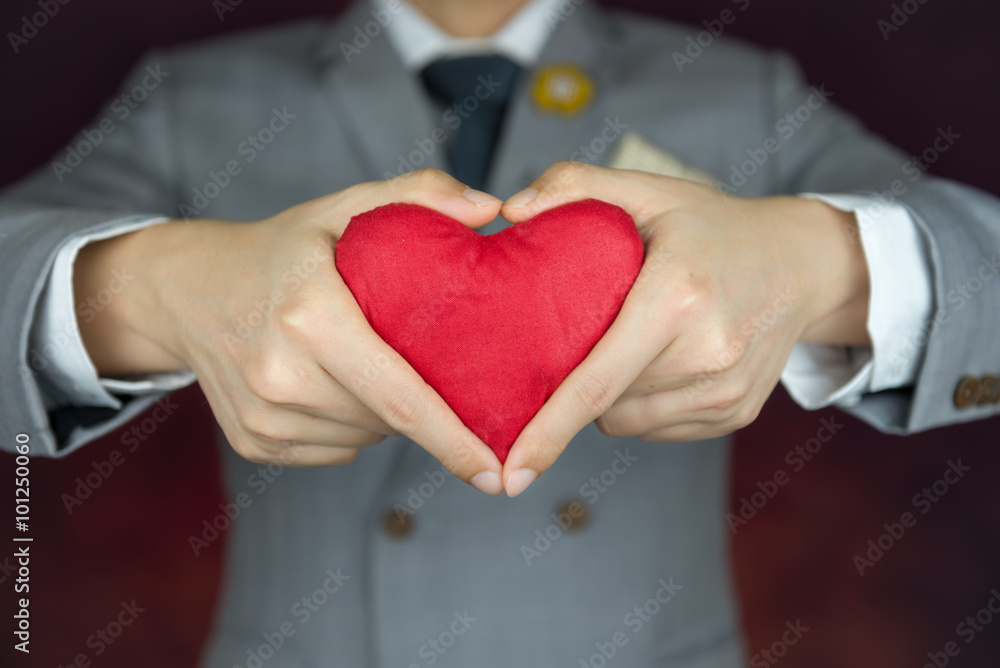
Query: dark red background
pixel 793 561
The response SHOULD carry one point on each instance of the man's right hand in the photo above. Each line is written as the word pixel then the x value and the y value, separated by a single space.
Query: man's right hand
pixel 291 368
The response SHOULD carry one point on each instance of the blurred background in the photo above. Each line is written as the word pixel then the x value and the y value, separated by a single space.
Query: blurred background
pixel 793 561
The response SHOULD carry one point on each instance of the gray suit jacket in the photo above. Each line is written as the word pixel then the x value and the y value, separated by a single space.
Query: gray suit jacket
pixel 477 580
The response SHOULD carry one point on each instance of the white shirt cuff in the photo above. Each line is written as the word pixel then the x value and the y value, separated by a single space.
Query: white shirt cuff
pixel 57 349
pixel 900 305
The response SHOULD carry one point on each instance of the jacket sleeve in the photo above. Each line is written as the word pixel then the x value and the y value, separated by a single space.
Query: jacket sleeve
pixel 825 150
pixel 118 170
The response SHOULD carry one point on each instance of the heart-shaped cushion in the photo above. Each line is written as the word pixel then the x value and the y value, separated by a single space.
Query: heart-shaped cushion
pixel 492 322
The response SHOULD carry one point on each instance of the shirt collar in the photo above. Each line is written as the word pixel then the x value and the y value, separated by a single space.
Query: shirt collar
pixel 419 41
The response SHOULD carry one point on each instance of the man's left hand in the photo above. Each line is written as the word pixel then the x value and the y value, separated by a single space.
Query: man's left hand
pixel 728 286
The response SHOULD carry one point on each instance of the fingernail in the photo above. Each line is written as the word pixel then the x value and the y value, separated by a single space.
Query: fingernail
pixel 519 481
pixel 488 482
pixel 523 198
pixel 480 199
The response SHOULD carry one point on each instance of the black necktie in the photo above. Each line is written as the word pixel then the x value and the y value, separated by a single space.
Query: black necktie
pixel 476 90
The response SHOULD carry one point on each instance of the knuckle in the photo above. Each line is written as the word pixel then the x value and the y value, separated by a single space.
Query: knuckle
pixel 403 411
pixel 547 448
pixel 745 415
pixel 592 394
pixel 618 424
pixel 566 177
pixel 424 178
pixel 569 172
pixel 721 352
pixel 731 393
pixel 460 461
pixel 256 425
pixel 692 296
pixel 268 379
pixel 301 320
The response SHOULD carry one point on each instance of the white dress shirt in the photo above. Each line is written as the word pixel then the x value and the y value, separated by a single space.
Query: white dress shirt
pixel 815 375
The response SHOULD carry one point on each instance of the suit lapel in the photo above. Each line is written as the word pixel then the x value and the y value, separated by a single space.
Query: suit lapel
pixel 383 109
pixel 533 139
pixel 388 118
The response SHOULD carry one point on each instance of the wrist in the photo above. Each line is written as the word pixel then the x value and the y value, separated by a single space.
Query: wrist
pixel 841 284
pixel 162 270
pixel 108 285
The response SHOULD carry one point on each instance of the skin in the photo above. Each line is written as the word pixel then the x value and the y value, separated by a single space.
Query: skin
pixel 310 383
pixel 727 288
pixel 294 373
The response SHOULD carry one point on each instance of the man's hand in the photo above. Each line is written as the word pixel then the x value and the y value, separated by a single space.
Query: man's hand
pixel 290 366
pixel 728 286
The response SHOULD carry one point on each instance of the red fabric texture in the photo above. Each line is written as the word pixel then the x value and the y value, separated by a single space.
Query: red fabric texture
pixel 492 322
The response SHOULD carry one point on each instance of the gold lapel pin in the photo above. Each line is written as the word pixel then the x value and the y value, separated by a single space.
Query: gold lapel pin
pixel 562 88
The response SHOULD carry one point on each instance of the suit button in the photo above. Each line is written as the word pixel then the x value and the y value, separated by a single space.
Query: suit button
pixel 967 392
pixel 989 392
pixel 573 516
pixel 398 525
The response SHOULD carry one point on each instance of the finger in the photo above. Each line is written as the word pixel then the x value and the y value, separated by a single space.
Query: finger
pixel 587 392
pixel 400 397
pixel 645 414
pixel 641 194
pixel 276 426
pixel 660 376
pixel 261 452
pixel 307 455
pixel 690 431
pixel 292 391
pixel 431 188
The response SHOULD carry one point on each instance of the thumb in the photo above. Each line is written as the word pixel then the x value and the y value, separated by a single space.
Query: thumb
pixel 438 190
pixel 641 194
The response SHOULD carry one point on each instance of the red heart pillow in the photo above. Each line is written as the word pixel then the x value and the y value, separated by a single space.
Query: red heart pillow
pixel 492 322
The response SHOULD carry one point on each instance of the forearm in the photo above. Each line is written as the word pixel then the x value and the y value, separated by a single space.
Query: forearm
pixel 114 283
